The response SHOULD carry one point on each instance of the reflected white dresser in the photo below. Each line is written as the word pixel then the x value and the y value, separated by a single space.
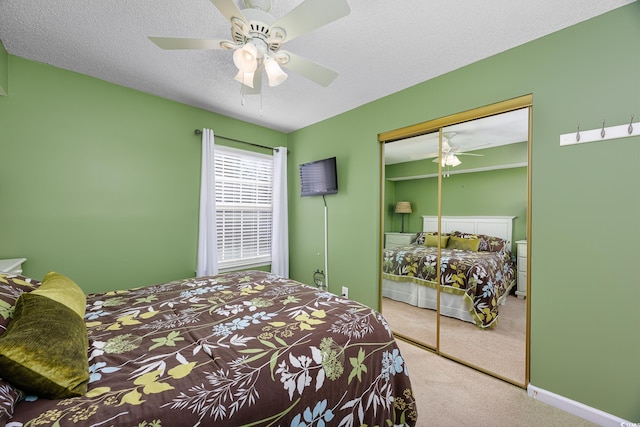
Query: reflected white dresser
pixel 397 239
pixel 11 266
pixel 521 247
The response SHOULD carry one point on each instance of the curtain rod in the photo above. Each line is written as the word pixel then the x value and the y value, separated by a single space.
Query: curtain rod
pixel 199 132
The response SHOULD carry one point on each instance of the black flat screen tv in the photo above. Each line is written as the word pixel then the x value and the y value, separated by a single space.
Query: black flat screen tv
pixel 319 178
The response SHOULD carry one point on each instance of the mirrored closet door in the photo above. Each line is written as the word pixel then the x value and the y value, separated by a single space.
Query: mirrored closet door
pixel 411 184
pixel 454 267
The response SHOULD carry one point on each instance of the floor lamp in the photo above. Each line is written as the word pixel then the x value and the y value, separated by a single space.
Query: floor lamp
pixel 403 208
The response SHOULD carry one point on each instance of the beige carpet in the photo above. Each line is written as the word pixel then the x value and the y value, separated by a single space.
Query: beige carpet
pixel 501 350
pixel 451 394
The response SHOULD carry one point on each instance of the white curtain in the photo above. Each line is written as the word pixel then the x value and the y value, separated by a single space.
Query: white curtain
pixel 280 229
pixel 207 263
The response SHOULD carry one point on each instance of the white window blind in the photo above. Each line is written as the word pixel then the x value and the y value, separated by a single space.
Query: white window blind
pixel 243 207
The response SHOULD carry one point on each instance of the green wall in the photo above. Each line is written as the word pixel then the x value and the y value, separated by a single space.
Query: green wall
pixel 584 295
pixel 500 192
pixel 101 182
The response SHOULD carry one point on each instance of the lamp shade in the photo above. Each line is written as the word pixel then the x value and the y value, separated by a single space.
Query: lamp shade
pixel 453 160
pixel 274 72
pixel 245 58
pixel 245 78
pixel 450 160
pixel 403 207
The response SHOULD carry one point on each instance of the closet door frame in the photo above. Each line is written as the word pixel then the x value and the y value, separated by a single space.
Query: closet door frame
pixel 436 125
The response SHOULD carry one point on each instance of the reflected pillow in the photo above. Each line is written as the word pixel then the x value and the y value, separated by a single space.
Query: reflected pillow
pixel 487 243
pixel 44 351
pixel 419 238
pixel 432 240
pixel 463 244
pixel 11 287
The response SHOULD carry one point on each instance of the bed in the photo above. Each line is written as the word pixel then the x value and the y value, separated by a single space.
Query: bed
pixel 236 349
pixel 477 270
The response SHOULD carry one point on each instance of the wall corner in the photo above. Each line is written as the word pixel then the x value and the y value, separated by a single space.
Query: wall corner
pixel 4 70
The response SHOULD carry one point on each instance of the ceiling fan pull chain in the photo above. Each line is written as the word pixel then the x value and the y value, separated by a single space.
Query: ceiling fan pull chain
pixel 261 104
pixel 602 133
pixel 630 128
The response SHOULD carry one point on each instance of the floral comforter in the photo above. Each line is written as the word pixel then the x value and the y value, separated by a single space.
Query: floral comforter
pixel 238 349
pixel 482 278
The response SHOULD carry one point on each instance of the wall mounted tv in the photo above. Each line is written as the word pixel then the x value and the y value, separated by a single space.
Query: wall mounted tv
pixel 319 178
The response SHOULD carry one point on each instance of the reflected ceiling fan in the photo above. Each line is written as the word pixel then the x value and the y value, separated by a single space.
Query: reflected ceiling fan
pixel 256 38
pixel 450 152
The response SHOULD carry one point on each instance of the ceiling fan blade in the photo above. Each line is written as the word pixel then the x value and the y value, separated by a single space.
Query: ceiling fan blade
pixel 186 43
pixel 310 15
pixel 229 9
pixel 425 156
pixel 470 154
pixel 309 69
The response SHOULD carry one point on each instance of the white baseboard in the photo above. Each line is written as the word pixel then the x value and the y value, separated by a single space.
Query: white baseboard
pixel 576 408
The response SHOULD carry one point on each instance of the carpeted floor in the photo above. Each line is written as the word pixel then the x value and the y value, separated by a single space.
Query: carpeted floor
pixel 451 394
pixel 501 350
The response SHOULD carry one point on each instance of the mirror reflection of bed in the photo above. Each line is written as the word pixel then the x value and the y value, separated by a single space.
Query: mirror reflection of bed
pixel 495 325
pixel 484 193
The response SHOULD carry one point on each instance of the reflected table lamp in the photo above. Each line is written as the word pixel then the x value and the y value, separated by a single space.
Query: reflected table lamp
pixel 403 208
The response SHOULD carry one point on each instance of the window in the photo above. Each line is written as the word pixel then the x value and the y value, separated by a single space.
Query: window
pixel 243 207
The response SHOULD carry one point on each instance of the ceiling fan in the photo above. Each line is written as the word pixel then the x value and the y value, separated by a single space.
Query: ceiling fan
pixel 256 38
pixel 450 152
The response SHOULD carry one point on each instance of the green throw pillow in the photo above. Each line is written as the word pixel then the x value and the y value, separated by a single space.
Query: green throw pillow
pixel 44 351
pixel 431 240
pixel 463 244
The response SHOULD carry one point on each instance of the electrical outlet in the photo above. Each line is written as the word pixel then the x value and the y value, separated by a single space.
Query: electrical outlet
pixel 345 292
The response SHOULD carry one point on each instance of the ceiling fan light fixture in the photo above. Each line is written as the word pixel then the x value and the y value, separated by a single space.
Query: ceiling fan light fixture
pixel 246 58
pixel 275 74
pixel 256 35
pixel 451 160
pixel 245 78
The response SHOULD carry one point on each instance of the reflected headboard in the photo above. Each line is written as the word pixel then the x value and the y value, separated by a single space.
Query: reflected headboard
pixel 497 226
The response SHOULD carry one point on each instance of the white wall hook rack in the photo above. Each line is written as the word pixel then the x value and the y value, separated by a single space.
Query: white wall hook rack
pixel 602 134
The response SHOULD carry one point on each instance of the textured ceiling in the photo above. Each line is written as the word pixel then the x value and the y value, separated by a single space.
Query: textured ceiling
pixel 381 47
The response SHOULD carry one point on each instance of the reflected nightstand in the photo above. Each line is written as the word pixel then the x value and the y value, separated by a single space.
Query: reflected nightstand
pixel 11 266
pixel 397 239
pixel 521 291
